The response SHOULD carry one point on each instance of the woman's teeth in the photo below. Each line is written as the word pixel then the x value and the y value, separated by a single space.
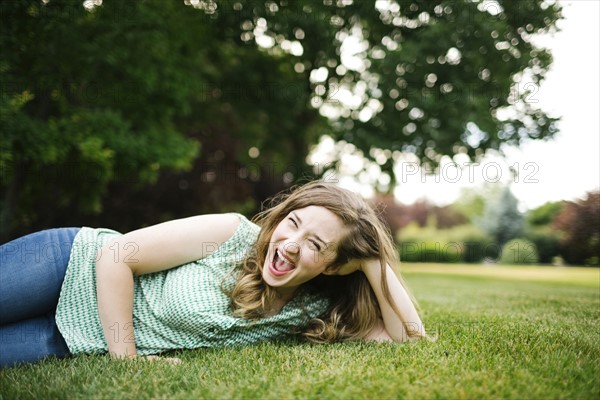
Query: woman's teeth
pixel 281 263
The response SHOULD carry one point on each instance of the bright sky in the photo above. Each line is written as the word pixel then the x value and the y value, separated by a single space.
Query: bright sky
pixel 569 166
pixel 560 169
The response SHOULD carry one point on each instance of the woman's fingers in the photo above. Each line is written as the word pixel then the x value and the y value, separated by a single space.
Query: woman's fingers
pixel 168 360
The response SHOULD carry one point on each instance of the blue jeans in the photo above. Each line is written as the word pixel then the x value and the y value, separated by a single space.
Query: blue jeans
pixel 32 270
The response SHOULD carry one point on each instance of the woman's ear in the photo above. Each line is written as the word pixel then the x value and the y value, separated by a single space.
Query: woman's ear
pixel 332 270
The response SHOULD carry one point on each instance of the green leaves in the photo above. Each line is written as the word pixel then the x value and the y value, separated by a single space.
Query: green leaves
pixel 138 86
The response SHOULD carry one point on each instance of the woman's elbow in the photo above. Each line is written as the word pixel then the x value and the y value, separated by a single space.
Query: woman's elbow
pixel 379 334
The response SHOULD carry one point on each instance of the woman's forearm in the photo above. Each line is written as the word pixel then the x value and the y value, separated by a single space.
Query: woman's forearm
pixel 399 327
pixel 114 286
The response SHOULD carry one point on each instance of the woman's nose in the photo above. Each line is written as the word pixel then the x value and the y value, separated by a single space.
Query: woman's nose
pixel 291 246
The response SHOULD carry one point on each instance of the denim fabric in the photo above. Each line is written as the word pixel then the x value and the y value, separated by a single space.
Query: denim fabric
pixel 32 270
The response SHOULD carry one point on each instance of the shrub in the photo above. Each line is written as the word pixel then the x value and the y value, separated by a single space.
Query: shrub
pixel 477 246
pixel 519 251
pixel 546 241
pixel 463 243
pixel 430 251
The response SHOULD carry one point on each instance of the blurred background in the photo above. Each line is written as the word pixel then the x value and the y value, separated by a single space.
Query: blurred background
pixel 449 115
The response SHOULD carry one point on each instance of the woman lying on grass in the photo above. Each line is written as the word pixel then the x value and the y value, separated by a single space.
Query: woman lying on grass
pixel 315 265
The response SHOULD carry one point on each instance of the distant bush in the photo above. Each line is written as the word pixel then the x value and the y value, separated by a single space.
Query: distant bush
pixel 477 245
pixel 430 251
pixel 463 243
pixel 519 251
pixel 546 241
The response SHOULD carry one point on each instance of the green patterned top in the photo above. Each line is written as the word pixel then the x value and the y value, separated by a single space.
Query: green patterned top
pixel 184 307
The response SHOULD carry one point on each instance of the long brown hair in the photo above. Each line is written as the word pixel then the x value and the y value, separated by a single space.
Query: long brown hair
pixel 354 310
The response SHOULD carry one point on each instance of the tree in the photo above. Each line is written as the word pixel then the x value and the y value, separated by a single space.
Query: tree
pixel 545 214
pixel 580 223
pixel 134 89
pixel 434 76
pixel 471 202
pixel 88 98
pixel 120 98
pixel 420 213
pixel 501 218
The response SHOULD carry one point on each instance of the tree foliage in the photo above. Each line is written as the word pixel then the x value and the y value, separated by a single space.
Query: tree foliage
pixel 471 202
pixel 128 113
pixel 545 214
pixel 88 98
pixel 580 223
pixel 501 218
pixel 438 77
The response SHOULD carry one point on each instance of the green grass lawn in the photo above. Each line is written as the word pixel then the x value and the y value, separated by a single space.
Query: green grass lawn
pixel 510 332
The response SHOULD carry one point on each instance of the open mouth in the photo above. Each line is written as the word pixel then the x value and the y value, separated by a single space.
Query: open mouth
pixel 280 265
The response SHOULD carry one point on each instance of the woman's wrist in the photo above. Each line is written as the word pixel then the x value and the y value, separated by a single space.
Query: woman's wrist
pixel 124 352
pixel 371 266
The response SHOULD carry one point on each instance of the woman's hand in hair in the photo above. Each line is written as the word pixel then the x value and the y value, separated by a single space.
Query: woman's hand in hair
pixel 350 267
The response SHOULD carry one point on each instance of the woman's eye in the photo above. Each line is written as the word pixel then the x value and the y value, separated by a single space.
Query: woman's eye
pixel 316 245
pixel 293 221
